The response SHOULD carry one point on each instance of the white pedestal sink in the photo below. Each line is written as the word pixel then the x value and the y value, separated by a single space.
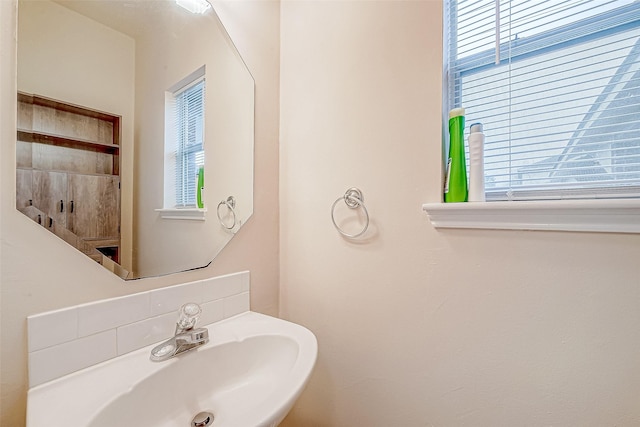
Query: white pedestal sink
pixel 249 374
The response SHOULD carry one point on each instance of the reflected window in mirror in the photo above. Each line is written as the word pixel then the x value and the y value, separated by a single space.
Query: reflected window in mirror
pixel 184 142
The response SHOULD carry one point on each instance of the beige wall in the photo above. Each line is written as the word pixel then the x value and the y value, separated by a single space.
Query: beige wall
pixel 7 88
pixel 40 272
pixel 417 326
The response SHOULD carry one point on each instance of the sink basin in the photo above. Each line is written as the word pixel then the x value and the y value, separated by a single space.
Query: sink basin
pixel 249 374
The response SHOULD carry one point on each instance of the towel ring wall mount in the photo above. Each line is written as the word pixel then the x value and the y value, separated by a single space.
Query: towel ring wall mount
pixel 230 203
pixel 354 199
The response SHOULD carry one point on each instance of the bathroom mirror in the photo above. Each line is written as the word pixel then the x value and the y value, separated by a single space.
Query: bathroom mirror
pixel 105 147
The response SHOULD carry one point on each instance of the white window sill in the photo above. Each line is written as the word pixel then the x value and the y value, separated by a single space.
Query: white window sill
pixel 601 215
pixel 193 214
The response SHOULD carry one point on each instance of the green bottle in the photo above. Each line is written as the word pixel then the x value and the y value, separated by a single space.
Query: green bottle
pixel 455 181
pixel 200 187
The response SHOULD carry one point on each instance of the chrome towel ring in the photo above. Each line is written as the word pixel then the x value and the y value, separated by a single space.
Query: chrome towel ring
pixel 230 203
pixel 354 199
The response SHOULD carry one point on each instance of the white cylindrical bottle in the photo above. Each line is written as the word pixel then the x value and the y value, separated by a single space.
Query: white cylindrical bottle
pixel 476 163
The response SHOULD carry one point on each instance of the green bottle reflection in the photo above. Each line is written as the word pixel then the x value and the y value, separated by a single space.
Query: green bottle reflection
pixel 200 187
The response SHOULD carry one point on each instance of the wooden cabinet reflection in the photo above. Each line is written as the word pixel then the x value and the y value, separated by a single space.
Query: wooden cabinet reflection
pixel 68 174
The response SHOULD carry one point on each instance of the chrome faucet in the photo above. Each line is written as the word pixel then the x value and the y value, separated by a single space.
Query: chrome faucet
pixel 186 336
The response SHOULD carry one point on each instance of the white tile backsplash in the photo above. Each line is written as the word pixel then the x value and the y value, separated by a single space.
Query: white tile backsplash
pixel 212 311
pixel 236 304
pixel 246 282
pixel 141 334
pixel 170 299
pixel 67 340
pixel 51 328
pixel 223 287
pixel 111 313
pixel 62 359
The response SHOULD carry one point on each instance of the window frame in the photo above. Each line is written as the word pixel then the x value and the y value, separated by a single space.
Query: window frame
pixel 184 149
pixel 596 216
pixel 608 215
pixel 170 209
pixel 608 23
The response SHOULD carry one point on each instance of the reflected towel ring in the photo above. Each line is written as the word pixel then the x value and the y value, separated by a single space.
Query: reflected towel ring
pixel 354 199
pixel 230 203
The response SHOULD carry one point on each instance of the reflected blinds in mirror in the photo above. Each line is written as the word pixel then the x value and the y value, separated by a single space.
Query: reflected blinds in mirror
pixel 189 131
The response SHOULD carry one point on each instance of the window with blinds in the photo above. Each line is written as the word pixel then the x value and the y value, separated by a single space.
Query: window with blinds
pixel 556 84
pixel 187 110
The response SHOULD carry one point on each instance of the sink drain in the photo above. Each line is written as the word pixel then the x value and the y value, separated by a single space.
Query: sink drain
pixel 203 419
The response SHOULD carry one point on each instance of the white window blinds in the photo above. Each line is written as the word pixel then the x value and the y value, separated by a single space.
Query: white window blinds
pixel 189 132
pixel 556 84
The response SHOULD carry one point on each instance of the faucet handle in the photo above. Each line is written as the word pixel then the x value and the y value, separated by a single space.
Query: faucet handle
pixel 189 314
